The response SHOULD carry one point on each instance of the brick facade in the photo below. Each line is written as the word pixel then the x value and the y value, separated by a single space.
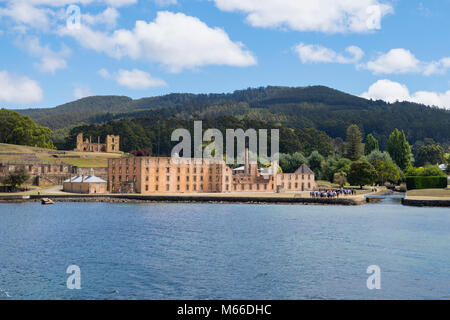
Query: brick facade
pixel 111 145
pixel 147 175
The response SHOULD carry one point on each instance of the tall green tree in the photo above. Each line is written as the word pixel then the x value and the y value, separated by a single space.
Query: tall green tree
pixel 291 162
pixel 21 130
pixel 371 144
pixel 386 171
pixel 362 173
pixel 399 149
pixel 447 160
pixel 380 156
pixel 354 146
pixel 312 139
pixel 430 154
pixel 315 161
pixel 340 178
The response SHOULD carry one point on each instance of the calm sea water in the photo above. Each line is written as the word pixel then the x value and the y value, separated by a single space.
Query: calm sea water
pixel 223 251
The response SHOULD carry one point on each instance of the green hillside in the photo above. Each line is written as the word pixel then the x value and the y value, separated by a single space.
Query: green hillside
pixel 317 107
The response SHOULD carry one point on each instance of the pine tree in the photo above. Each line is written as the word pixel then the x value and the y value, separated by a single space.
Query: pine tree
pixel 354 146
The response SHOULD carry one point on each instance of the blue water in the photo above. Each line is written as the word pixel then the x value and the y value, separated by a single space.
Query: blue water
pixel 223 251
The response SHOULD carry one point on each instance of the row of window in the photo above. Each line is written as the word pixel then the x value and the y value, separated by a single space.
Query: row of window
pixel 290 177
pixel 252 187
pixel 187 187
pixel 295 186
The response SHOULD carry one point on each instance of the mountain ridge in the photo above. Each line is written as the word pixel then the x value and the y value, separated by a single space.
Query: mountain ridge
pixel 320 107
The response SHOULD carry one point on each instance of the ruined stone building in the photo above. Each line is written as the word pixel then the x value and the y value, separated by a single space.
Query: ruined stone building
pixel 42 174
pixel 111 145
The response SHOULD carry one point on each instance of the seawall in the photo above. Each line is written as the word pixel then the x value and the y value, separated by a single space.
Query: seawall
pixel 196 199
pixel 426 203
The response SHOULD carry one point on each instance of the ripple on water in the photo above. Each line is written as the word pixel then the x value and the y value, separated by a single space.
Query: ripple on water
pixel 223 251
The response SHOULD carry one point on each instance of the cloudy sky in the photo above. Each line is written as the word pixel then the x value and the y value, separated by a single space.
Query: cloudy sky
pixel 56 51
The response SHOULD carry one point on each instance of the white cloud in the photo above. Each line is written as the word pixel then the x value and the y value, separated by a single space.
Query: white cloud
pixel 395 61
pixel 175 40
pixel 24 13
pixel 108 17
pixel 19 89
pixel 80 92
pixel 62 3
pixel 42 15
pixel 437 67
pixel 391 91
pixel 138 80
pixel 133 79
pixel 164 3
pixel 50 60
pixel 104 73
pixel 388 91
pixel 330 16
pixel 317 53
pixel 402 61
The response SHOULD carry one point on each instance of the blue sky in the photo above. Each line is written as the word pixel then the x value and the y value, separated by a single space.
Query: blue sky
pixel 381 49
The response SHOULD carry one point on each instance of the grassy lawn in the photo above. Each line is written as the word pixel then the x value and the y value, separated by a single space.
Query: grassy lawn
pixel 429 194
pixel 80 159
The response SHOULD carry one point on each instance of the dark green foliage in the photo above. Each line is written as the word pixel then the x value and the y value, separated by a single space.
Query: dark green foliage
pixel 362 173
pixel 430 154
pixel 427 171
pixel 16 178
pixel 386 171
pixel 289 163
pixel 426 182
pixel 16 129
pixel 399 149
pixel 317 107
pixel 334 165
pixel 315 161
pixel 312 139
pixel 371 144
pixel 155 133
pixel 353 145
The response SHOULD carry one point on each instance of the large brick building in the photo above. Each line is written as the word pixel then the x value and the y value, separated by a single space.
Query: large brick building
pixel 146 175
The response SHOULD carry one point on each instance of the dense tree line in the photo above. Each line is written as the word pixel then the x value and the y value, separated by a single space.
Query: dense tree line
pixel 155 134
pixel 17 129
pixel 318 107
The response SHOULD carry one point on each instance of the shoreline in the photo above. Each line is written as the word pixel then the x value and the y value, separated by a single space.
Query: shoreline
pixel 185 199
pixel 426 203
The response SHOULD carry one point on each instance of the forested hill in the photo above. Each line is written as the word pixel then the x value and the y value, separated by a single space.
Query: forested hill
pixel 304 107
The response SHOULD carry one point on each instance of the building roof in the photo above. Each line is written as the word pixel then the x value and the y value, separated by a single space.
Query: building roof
pixel 304 169
pixel 87 179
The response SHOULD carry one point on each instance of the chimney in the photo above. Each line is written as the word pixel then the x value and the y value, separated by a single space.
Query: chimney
pixel 82 178
pixel 274 167
pixel 70 178
pixel 247 167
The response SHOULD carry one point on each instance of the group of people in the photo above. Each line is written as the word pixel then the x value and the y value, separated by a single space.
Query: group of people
pixel 332 193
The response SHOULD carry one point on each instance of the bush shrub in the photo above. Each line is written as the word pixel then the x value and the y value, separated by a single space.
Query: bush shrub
pixel 426 182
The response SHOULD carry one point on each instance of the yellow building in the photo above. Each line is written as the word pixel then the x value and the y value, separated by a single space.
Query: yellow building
pixel 147 175
pixel 85 184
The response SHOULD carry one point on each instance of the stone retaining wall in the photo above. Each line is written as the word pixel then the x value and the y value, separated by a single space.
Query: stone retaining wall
pixel 202 199
pixel 426 203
